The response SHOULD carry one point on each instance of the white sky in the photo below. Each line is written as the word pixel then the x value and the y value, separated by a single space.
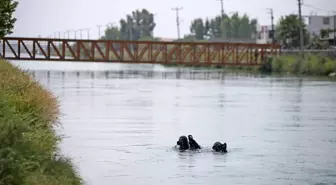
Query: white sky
pixel 45 17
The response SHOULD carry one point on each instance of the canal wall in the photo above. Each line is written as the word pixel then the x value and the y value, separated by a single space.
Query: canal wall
pixel 29 153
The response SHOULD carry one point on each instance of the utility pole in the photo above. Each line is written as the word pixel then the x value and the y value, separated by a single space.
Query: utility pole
pixel 222 7
pixel 177 9
pixel 301 29
pixel 272 23
pixel 130 28
pixel 334 31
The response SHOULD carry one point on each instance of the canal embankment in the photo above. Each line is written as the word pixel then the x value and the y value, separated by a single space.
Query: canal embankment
pixel 293 64
pixel 29 113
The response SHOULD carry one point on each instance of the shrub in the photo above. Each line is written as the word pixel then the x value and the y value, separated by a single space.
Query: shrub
pixel 310 65
pixel 28 142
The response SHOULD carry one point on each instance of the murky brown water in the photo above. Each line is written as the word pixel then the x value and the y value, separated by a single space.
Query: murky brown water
pixel 120 127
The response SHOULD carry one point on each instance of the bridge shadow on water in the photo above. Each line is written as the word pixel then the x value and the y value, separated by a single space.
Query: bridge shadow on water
pixel 144 74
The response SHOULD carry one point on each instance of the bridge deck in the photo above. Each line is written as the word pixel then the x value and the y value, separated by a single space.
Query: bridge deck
pixel 154 52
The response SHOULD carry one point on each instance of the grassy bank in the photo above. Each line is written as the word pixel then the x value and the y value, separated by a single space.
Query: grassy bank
pixel 312 65
pixel 28 142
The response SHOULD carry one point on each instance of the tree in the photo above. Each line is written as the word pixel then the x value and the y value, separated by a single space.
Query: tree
pixel 235 23
pixel 244 30
pixel 148 38
pixel 215 31
pixel 189 38
pixel 253 28
pixel 207 28
pixel 7 8
pixel 138 24
pixel 197 28
pixel 111 33
pixel 225 27
pixel 288 31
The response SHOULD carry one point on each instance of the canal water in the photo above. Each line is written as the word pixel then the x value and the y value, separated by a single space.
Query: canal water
pixel 120 123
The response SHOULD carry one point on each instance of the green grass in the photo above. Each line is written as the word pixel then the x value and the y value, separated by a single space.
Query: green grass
pixel 28 143
pixel 313 65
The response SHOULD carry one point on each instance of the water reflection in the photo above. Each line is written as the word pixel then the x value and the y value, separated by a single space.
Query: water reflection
pixel 122 124
pixel 150 74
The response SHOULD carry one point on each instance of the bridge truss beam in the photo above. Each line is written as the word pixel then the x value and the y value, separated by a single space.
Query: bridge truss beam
pixel 153 52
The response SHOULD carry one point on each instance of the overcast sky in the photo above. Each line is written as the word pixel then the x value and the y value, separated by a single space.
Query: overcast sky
pixel 45 17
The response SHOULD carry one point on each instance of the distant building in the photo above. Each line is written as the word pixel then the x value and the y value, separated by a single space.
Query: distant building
pixel 318 22
pixel 315 23
pixel 264 34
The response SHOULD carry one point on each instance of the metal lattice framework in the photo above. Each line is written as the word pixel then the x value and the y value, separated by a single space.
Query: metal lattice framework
pixel 154 52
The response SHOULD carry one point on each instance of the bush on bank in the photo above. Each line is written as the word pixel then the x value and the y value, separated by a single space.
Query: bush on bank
pixel 28 142
pixel 316 65
pixel 293 64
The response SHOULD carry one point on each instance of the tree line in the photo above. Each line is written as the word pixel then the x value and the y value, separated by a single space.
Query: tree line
pixel 140 25
pixel 223 27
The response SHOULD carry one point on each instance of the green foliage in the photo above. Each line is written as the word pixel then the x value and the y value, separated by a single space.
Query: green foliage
pixel 225 27
pixel 148 38
pixel 28 142
pixel 198 29
pixel 316 43
pixel 189 38
pixel 111 33
pixel 311 65
pixel 287 31
pixel 266 66
pixel 140 24
pixel 325 32
pixel 7 8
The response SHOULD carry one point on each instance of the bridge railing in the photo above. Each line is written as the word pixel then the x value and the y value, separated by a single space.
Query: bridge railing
pixel 156 52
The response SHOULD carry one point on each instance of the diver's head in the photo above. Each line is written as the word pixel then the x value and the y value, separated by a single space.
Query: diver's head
pixel 183 143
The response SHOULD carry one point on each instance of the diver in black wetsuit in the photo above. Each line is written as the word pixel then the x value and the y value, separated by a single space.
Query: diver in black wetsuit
pixel 183 143
pixel 219 147
pixel 193 144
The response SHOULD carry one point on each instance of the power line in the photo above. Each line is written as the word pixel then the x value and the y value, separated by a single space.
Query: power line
pixel 222 7
pixel 314 7
pixel 177 9
pixel 272 23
